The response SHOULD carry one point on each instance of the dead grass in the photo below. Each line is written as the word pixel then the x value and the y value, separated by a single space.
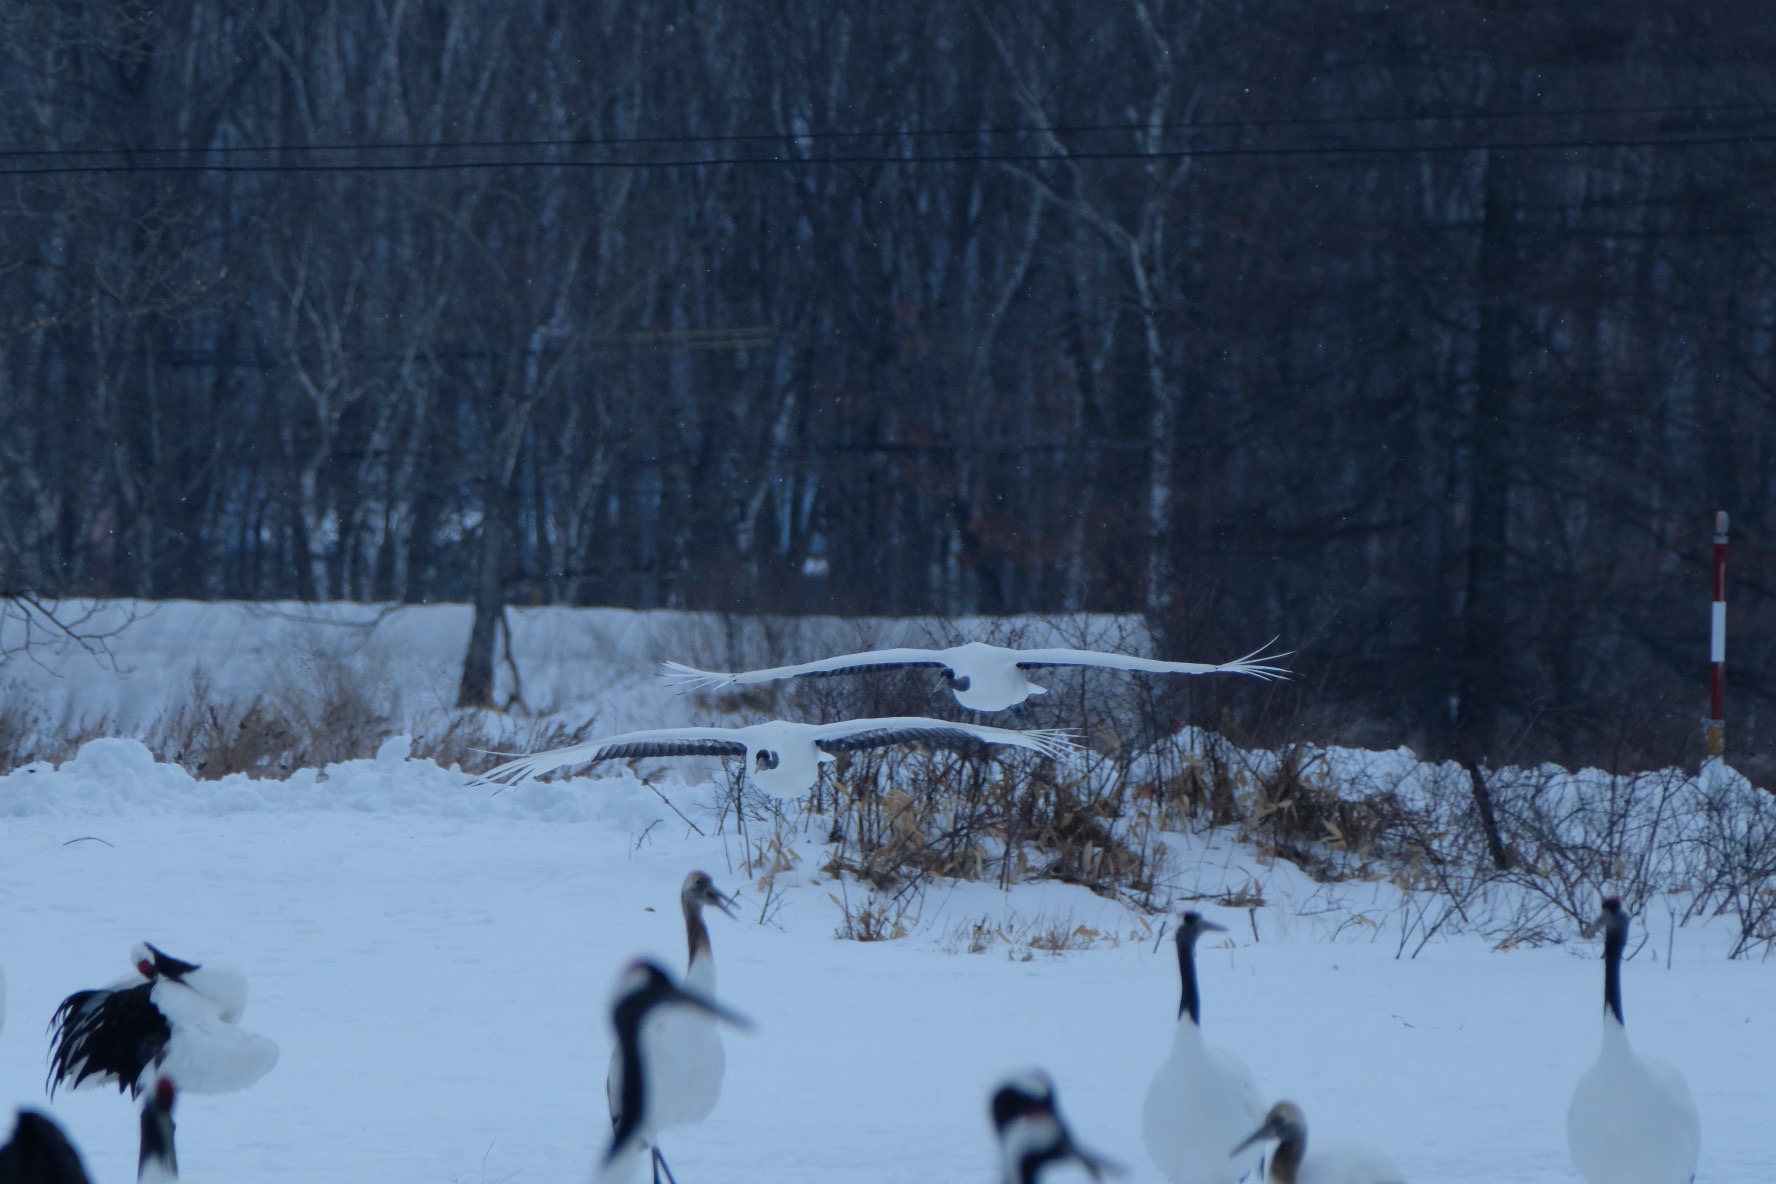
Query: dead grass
pixel 324 712
pixel 1299 811
pixel 1020 937
pixel 879 916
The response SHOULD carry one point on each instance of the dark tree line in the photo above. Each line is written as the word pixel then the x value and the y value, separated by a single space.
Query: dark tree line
pixel 1427 338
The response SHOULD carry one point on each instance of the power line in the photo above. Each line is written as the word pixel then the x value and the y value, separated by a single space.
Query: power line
pixel 792 162
pixel 1763 109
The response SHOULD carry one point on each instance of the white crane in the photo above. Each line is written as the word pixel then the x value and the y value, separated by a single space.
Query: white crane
pixel 984 677
pixel 1032 1135
pixel 682 1045
pixel 1632 1119
pixel 783 758
pixel 39 1153
pixel 1327 1162
pixel 1203 1100
pixel 642 989
pixel 171 1018
pixel 156 1161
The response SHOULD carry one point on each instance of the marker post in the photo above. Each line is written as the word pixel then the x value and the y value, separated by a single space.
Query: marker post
pixel 1715 729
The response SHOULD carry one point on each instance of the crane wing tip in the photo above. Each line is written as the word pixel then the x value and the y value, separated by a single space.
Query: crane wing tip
pixel 1258 664
pixel 690 678
pixel 1055 743
pixel 507 775
pixel 1259 670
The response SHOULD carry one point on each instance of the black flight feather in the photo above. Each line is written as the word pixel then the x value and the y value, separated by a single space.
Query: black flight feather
pixel 108 1035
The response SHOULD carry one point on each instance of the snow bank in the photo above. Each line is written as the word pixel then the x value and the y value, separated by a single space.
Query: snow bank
pixel 1577 834
pixel 119 777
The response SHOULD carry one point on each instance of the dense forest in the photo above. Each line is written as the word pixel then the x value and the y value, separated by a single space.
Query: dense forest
pixel 1427 338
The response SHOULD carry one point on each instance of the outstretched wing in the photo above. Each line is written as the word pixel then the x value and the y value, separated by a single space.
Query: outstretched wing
pixel 207 1054
pixel 105 1037
pixel 691 678
pixel 1254 663
pixel 661 742
pixel 937 733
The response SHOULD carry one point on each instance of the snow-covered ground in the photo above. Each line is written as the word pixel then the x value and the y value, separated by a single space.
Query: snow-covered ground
pixel 435 962
pixel 435 959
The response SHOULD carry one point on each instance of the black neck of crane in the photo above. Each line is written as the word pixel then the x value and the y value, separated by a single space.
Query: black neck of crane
pixel 1188 1001
pixel 630 1011
pixel 1029 1167
pixel 1614 938
pixel 157 1139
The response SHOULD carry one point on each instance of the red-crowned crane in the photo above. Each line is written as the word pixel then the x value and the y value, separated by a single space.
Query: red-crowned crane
pixel 39 1153
pixel 1632 1119
pixel 1032 1135
pixel 643 988
pixel 783 758
pixel 1202 1100
pixel 682 1045
pixel 1327 1161
pixel 984 677
pixel 171 1018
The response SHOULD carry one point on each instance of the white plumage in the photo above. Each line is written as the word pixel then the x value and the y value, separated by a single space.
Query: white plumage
pixel 220 983
pixel 783 758
pixel 1326 1161
pixel 642 989
pixel 1203 1100
pixel 984 677
pixel 1632 1119
pixel 172 1018
pixel 208 1053
pixel 682 1045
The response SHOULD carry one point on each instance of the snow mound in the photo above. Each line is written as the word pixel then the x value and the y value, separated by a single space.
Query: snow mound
pixel 118 776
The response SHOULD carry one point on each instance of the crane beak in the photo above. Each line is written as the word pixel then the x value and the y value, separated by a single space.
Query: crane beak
pixel 686 998
pixel 1096 1164
pixel 1099 1166
pixel 1210 927
pixel 722 901
pixel 1596 924
pixel 1267 1131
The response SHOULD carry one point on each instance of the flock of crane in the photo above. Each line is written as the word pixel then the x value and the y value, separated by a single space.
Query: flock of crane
pixel 173 1026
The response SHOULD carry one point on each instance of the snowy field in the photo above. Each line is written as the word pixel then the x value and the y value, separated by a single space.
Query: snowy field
pixel 435 962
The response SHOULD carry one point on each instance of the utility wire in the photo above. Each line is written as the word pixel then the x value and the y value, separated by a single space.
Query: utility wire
pixel 1763 110
pixel 793 162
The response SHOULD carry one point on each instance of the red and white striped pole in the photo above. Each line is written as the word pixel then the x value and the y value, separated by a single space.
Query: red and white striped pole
pixel 1717 644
